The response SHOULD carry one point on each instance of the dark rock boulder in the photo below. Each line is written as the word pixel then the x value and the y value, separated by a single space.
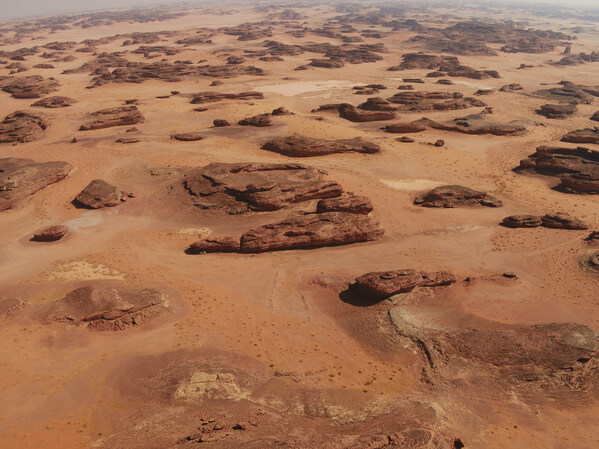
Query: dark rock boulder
pixel 98 194
pixel 260 120
pixel 50 234
pixel 219 123
pixel 522 221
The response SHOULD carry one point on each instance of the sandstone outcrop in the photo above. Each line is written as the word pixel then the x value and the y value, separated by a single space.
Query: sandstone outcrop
pixel 22 126
pixel 119 116
pixel 577 168
pixel 348 202
pixel 20 178
pixel 456 196
pixel 54 102
pixel 105 308
pixel 212 97
pixel 98 194
pixel 586 135
pixel 260 120
pixel 308 231
pixel 557 110
pixel 377 286
pixel 33 86
pixel 471 124
pixel 51 234
pixel 300 146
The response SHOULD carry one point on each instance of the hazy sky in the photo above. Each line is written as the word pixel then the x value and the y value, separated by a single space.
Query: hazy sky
pixel 23 8
pixel 20 8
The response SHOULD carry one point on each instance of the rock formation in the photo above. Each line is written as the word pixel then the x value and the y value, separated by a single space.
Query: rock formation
pixel 456 196
pixel 577 168
pixel 119 116
pixel 300 146
pixel 50 234
pixel 98 194
pixel 22 126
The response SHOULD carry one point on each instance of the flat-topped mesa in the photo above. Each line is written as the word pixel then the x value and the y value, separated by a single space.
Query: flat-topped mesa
pixel 33 86
pixel 212 97
pixel 23 126
pixel 471 124
pixel 303 232
pixel 98 194
pixel 107 118
pixel 21 178
pixel 577 168
pixel 243 187
pixel 105 308
pixel 443 65
pixel 456 196
pixel 300 146
pixel 377 286
pixel 417 101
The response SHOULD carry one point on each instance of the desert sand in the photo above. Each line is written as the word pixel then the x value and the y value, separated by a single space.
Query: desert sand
pixel 203 292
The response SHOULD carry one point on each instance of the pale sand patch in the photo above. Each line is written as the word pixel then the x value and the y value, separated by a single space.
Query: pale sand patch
pixel 86 220
pixel 82 270
pixel 302 87
pixel 411 184
pixel 200 232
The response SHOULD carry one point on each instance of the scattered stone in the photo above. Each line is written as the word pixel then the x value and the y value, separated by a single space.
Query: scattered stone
pixel 456 196
pixel 126 140
pixel 405 139
pixel 439 143
pixel 281 111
